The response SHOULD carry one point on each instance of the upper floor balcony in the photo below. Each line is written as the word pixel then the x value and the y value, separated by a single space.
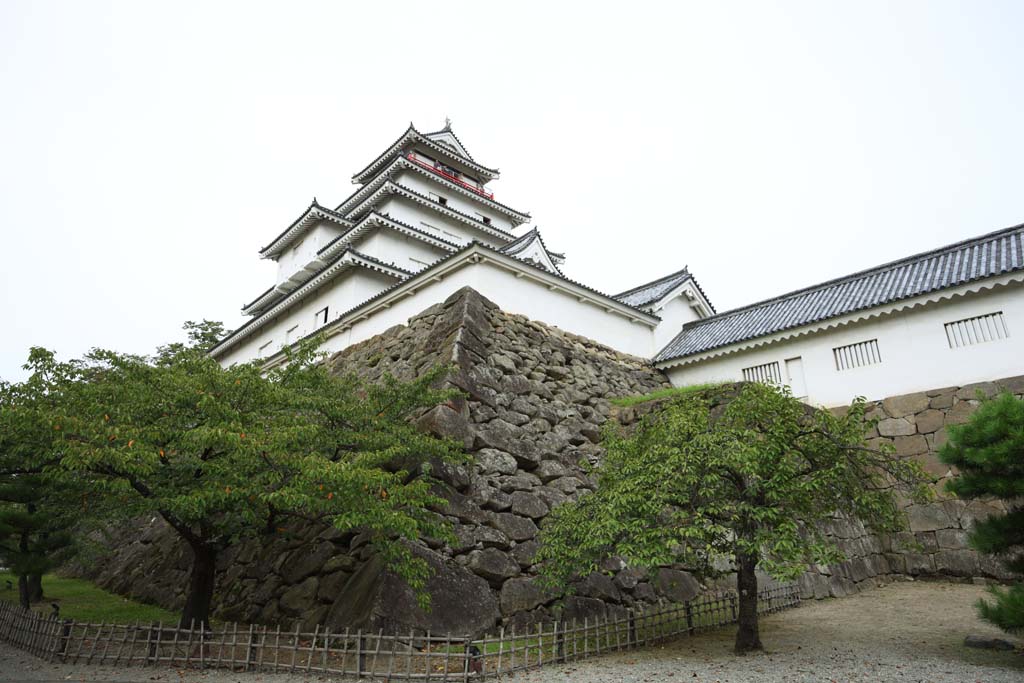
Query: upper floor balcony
pixel 449 174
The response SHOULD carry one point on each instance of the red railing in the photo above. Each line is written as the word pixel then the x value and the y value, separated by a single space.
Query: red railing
pixel 432 166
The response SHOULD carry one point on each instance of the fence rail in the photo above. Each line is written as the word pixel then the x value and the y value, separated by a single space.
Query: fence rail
pixel 371 654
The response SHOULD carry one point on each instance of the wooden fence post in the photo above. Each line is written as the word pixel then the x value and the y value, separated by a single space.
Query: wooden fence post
pixel 360 655
pixel 65 638
pixel 689 617
pixel 151 642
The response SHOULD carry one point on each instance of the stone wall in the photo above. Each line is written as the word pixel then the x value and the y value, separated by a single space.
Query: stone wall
pixel 936 544
pixel 535 400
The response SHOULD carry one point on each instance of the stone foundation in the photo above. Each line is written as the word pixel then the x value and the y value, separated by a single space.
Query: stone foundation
pixel 535 400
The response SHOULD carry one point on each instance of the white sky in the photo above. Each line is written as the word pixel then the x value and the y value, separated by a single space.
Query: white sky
pixel 148 150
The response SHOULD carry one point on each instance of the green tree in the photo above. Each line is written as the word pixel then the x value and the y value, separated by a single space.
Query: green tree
pixel 223 453
pixel 34 514
pixel 988 451
pixel 737 472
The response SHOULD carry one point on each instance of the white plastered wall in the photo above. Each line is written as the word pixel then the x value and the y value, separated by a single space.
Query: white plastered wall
pixel 514 295
pixel 393 247
pixel 422 184
pixel 346 291
pixel 675 313
pixel 298 255
pixel 914 349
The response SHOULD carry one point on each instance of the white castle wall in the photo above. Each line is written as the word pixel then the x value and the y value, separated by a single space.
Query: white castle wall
pixel 425 185
pixel 514 295
pixel 413 214
pixel 674 315
pixel 404 252
pixel 913 346
pixel 296 256
pixel 338 296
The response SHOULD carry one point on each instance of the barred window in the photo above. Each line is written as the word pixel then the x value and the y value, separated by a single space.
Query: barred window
pixel 857 355
pixel 767 374
pixel 977 330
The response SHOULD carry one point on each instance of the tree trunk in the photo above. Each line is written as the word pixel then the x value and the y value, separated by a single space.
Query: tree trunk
pixel 23 591
pixel 748 638
pixel 200 587
pixel 35 587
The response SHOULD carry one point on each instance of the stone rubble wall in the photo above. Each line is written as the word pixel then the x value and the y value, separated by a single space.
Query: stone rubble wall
pixel 936 544
pixel 535 399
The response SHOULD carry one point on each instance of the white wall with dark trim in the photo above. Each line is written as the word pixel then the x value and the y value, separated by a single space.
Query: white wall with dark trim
pixel 915 352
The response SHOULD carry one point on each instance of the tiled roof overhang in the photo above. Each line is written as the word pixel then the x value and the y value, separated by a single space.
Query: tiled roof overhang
pixel 473 253
pixel 392 188
pixel 412 135
pixel 652 292
pixel 401 163
pixel 332 249
pixel 313 214
pixel 875 290
pixel 347 259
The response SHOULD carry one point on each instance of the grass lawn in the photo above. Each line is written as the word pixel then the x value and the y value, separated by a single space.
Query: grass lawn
pixel 82 601
pixel 670 392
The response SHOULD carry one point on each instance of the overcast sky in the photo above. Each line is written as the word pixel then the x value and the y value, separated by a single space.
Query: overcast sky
pixel 148 150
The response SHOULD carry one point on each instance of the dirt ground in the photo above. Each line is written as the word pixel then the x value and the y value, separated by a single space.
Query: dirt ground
pixel 905 632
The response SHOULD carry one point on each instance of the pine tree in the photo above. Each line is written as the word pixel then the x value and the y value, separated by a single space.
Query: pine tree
pixel 34 513
pixel 988 451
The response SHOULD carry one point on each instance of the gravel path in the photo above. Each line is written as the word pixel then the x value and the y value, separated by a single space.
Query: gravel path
pixel 906 632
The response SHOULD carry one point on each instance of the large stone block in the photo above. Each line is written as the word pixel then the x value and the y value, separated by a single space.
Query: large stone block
pixel 930 421
pixel 444 421
pixel 919 563
pixel 956 562
pixel 600 586
pixel 908 404
pixel 960 413
pixel 492 461
pixel 951 539
pixel 461 602
pixel 528 505
pixel 677 586
pixel 580 608
pixel 299 598
pixel 929 517
pixel 523 595
pixel 493 565
pixel 515 527
pixel 910 445
pixel 524 553
pixel 306 562
pixel 896 426
pixel 973 391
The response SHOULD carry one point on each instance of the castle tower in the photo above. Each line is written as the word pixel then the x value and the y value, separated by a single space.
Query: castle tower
pixel 419 201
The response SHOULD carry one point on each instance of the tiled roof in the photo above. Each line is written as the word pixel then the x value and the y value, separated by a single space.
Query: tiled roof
pixel 652 291
pixel 981 257
pixel 289 233
pixel 412 134
pixel 229 340
pixel 647 294
pixel 521 243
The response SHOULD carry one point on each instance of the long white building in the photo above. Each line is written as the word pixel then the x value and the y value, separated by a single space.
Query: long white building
pixel 424 223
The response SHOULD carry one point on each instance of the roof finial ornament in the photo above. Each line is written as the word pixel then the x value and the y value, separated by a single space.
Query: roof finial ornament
pixel 447 124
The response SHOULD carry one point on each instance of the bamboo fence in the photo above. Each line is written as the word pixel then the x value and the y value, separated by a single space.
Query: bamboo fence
pixel 370 654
